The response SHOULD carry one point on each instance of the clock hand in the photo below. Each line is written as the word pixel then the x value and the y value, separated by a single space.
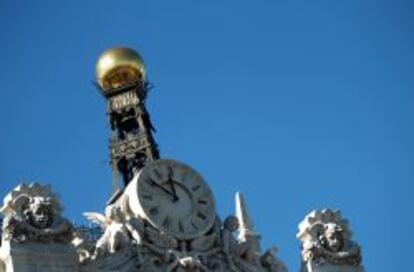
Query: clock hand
pixel 171 182
pixel 153 183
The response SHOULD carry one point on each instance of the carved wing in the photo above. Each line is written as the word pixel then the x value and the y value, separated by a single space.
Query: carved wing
pixel 96 218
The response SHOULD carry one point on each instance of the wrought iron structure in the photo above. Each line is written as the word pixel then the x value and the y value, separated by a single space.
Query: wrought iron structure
pixel 125 88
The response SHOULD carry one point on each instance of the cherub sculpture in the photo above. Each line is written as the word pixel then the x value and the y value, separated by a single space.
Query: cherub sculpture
pixel 119 232
pixel 326 239
pixel 32 212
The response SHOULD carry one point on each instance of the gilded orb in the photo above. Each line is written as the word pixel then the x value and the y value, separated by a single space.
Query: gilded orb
pixel 119 66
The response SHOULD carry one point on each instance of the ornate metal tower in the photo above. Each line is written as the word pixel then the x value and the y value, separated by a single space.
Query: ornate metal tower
pixel 121 78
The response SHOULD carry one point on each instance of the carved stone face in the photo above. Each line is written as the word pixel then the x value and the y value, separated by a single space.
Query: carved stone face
pixel 40 216
pixel 334 237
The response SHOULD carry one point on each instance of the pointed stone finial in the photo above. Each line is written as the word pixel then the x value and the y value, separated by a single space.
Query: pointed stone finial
pixel 246 231
pixel 242 214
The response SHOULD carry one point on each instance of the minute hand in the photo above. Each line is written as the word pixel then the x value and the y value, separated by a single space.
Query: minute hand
pixel 152 182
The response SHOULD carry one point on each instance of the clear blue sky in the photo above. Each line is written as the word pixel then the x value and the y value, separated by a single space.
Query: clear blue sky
pixel 299 104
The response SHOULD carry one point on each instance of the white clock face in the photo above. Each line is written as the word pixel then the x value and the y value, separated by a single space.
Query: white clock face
pixel 175 199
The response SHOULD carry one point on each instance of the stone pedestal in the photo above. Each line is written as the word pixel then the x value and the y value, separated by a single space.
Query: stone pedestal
pixel 332 268
pixel 38 258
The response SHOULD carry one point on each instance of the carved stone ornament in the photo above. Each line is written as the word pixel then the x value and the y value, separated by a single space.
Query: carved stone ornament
pixel 119 231
pixel 326 240
pixel 32 213
pixel 131 243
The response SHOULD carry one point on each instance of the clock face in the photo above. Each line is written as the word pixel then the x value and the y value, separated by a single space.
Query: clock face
pixel 175 199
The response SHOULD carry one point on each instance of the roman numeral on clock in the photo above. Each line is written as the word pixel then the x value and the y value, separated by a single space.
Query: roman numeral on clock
pixel 147 196
pixel 154 211
pixel 201 215
pixel 180 226
pixel 202 201
pixel 166 222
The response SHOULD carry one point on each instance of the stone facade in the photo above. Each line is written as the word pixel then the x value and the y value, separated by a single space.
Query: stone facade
pixel 34 235
pixel 36 238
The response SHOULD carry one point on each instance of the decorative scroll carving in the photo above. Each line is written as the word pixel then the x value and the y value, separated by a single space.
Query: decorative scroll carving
pixel 326 239
pixel 32 213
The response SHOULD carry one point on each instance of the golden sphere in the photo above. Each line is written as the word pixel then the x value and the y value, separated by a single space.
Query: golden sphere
pixel 119 66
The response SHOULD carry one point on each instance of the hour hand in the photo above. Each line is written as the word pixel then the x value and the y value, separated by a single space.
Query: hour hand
pixel 171 182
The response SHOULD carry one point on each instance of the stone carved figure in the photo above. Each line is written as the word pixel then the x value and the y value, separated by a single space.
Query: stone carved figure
pixel 241 254
pixel 181 255
pixel 119 231
pixel 326 239
pixel 183 261
pixel 228 241
pixel 84 241
pixel 32 213
pixel 271 263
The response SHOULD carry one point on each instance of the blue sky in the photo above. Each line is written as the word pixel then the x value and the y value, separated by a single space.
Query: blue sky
pixel 299 104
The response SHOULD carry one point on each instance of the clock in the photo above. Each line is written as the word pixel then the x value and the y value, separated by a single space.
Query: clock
pixel 173 198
